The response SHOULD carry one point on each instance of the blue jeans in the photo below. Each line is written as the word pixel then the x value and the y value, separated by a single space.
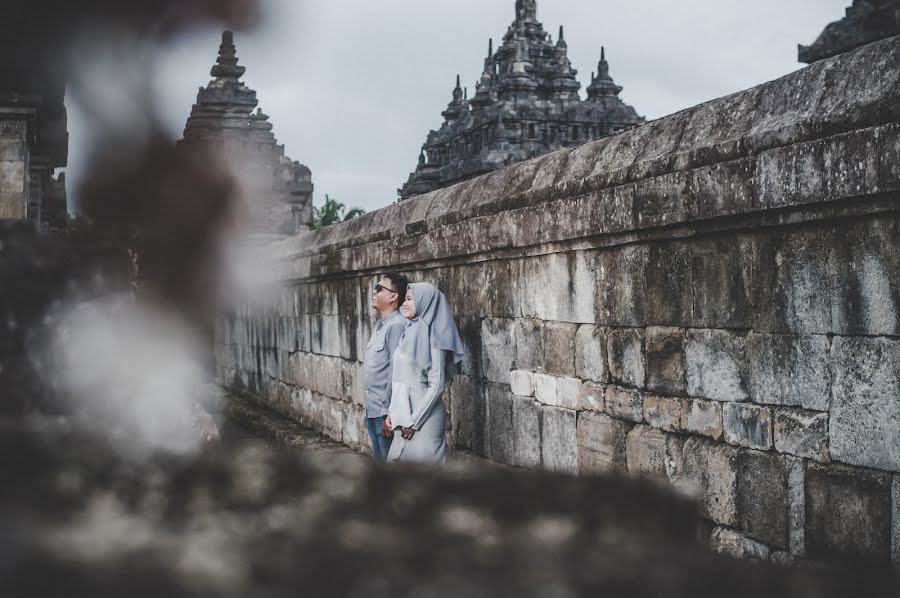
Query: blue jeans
pixel 380 444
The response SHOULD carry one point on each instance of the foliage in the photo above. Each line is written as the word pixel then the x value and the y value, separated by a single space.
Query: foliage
pixel 332 212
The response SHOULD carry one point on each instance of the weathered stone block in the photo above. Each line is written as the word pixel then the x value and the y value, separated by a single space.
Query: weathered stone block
pixel 717 365
pixel 12 150
pixel 802 433
pixel 556 391
pixel 721 280
pixel 762 497
pixel 866 273
pixel 832 168
pixel 796 505
pixel 522 383
pixel 601 444
pixel 653 454
pixel 748 425
pixel 331 418
pixel 526 415
pixel 545 389
pixel 865 414
pixel 703 417
pixel 591 397
pixel 663 413
pixel 332 342
pixel 302 331
pixel 626 357
pixel 500 430
pixel 734 544
pixel 662 200
pixel 529 336
pixel 12 177
pixel 468 411
pixel 709 472
pixel 889 158
pixel 568 391
pixel 665 361
pixel 624 403
pixel 554 272
pixel 559 348
pixel 498 349
pixel 559 446
pixel 354 431
pixel 848 513
pixel 895 520
pixel 620 284
pixel 793 283
pixel 470 332
pixel 723 188
pixel 667 292
pixel 590 353
pixel 790 370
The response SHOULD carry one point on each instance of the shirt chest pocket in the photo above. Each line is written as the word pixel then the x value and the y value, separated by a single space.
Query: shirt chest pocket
pixel 376 347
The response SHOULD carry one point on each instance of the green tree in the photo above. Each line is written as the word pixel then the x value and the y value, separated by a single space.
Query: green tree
pixel 332 212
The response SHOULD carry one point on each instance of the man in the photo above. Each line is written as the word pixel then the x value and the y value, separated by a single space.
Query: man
pixel 389 294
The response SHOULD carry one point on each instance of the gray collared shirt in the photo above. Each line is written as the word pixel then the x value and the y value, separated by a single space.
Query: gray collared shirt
pixel 377 364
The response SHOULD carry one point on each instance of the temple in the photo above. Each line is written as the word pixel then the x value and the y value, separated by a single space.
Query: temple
pixel 865 21
pixel 280 189
pixel 33 144
pixel 526 104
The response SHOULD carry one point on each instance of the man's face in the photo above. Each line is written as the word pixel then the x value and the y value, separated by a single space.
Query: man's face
pixel 384 296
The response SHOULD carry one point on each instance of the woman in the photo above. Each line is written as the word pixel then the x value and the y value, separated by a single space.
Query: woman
pixel 423 364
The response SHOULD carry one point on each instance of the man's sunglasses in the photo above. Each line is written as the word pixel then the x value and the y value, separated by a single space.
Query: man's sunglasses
pixel 379 288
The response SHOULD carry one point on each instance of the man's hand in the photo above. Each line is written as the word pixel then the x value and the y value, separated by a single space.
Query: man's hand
pixel 386 430
pixel 407 433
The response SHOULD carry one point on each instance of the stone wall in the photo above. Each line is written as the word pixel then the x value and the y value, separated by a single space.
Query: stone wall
pixel 13 167
pixel 711 300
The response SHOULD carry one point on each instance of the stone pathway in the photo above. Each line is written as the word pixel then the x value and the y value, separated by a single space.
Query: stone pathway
pixel 242 419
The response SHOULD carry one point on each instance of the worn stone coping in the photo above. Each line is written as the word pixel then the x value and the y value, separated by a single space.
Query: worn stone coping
pixel 853 91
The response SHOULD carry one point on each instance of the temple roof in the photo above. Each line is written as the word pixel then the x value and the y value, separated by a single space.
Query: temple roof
pixel 526 103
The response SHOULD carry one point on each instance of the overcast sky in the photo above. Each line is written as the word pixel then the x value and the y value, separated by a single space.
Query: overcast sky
pixel 353 87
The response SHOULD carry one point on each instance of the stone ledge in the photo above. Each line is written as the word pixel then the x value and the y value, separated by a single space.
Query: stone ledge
pixel 700 149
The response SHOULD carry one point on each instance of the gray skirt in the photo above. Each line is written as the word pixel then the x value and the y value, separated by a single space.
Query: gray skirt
pixel 428 445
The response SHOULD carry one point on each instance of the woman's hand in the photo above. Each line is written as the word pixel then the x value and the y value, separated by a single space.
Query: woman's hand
pixel 407 433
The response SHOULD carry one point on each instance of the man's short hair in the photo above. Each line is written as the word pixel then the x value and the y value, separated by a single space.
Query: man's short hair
pixel 400 284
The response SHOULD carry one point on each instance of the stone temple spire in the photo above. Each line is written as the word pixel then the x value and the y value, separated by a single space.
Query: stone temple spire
pixel 526 103
pixel 455 107
pixel 226 119
pixel 602 86
pixel 526 9
pixel 226 66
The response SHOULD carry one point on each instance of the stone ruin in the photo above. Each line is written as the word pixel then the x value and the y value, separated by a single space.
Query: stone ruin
pixel 223 121
pixel 865 21
pixel 710 300
pixel 525 105
pixel 794 265
pixel 33 144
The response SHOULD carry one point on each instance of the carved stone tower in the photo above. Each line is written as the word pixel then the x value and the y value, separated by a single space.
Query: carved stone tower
pixel 224 118
pixel 526 103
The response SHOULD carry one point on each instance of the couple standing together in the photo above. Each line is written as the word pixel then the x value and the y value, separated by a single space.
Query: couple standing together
pixel 413 354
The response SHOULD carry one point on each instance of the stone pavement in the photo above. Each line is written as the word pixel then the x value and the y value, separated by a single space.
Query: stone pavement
pixel 241 418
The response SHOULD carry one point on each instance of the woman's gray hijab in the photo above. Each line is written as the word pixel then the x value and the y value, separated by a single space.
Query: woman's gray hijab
pixel 432 328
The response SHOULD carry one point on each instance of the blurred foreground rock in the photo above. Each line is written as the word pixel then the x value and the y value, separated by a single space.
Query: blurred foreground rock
pixel 249 521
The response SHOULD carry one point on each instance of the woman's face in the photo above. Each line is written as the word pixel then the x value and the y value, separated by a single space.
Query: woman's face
pixel 408 309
